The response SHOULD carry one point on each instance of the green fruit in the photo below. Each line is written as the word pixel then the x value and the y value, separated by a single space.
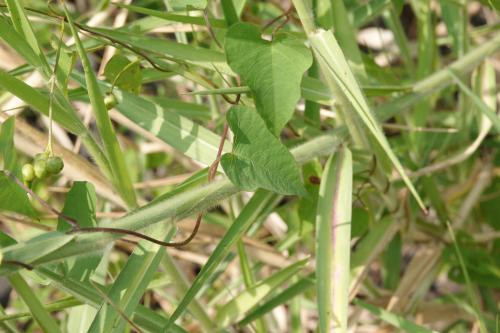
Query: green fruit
pixel 110 101
pixel 28 172
pixel 40 168
pixel 54 165
pixel 42 156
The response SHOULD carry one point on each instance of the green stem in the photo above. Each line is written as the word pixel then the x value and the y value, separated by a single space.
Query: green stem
pixel 171 209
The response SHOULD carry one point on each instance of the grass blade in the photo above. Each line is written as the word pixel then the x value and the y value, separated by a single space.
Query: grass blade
pixel 215 23
pixel 333 241
pixel 131 283
pixel 186 136
pixel 143 316
pixel 172 209
pixel 332 60
pixel 121 179
pixel 247 216
pixel 394 320
pixel 439 79
pixel 36 308
pixel 297 288
pixel 239 305
pixel 23 27
pixel 485 109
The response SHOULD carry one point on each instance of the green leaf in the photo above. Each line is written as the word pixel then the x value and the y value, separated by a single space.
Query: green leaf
pixel 248 215
pixel 124 73
pixel 258 159
pixel 85 292
pixel 15 40
pixel 7 151
pixel 229 12
pixel 184 52
pixel 188 4
pixel 121 178
pixel 456 23
pixel 394 320
pixel 482 106
pixel 273 70
pixel 13 198
pixel 195 20
pixel 130 285
pixel 333 235
pixel 334 64
pixel 243 302
pixel 38 247
pixel 295 289
pixel 42 317
pixel 181 133
pixel 40 102
pixel 80 205
pixel 23 27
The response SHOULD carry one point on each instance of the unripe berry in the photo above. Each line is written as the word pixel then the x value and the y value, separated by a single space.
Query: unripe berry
pixel 28 172
pixel 54 165
pixel 41 156
pixel 110 101
pixel 40 168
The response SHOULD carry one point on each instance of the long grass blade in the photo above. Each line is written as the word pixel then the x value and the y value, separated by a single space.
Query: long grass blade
pixel 42 317
pixel 334 64
pixel 333 239
pixel 121 179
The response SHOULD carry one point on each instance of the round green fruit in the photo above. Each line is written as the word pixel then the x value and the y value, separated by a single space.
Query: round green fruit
pixel 42 156
pixel 40 168
pixel 28 172
pixel 110 101
pixel 54 165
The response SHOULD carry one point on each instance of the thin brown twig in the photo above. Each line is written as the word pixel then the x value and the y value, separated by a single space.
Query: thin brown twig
pixel 211 175
pixel 285 14
pixel 17 263
pixel 215 164
pixel 210 29
pixel 279 26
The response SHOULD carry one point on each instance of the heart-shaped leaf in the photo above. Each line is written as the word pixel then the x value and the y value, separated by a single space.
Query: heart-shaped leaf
pixel 80 205
pixel 272 69
pixel 258 158
pixel 124 73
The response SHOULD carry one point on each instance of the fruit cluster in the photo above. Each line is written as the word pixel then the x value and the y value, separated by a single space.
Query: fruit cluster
pixel 43 165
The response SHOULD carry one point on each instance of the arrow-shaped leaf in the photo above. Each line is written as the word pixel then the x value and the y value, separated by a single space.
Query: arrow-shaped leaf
pixel 272 69
pixel 258 158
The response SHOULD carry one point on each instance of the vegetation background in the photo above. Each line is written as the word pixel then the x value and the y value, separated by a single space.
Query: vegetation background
pixel 337 160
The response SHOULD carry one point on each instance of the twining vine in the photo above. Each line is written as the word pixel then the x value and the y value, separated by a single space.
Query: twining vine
pixel 42 160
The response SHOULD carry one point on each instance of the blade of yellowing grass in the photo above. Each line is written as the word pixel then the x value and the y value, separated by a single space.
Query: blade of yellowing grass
pixel 334 65
pixel 333 239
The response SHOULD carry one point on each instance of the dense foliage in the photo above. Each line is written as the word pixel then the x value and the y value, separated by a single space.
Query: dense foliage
pixel 254 166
